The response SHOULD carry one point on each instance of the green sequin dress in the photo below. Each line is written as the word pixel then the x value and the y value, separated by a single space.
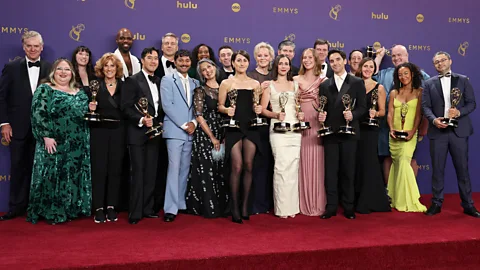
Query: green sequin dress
pixel 61 187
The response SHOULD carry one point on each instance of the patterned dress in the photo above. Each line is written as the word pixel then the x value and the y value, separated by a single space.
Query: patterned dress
pixel 206 187
pixel 61 186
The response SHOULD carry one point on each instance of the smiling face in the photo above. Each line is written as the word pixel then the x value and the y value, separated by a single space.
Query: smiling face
pixel 203 52
pixel 82 58
pixel 208 71
pixel 183 64
pixel 322 51
pixel 263 58
pixel 169 46
pixel 150 62
pixel 399 55
pixel 124 40
pixel 63 74
pixel 283 66
pixel 288 51
pixel 308 60
pixel 337 63
pixel 240 64
pixel 405 76
pixel 442 63
pixel 33 47
pixel 226 57
pixel 355 60
pixel 368 69
pixel 109 70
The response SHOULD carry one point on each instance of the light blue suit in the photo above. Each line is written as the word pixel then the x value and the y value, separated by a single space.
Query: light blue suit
pixel 178 111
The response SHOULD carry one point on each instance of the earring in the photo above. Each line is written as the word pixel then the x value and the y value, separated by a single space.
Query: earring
pixel 400 84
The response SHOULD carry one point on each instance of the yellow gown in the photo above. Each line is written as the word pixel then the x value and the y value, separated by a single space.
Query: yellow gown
pixel 402 184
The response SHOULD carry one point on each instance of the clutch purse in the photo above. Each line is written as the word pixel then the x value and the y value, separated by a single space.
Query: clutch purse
pixel 220 154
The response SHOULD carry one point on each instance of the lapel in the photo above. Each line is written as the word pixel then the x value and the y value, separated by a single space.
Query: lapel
pixel 178 82
pixel 343 91
pixel 454 79
pixel 142 81
pixel 438 86
pixel 44 70
pixel 104 89
pixel 24 74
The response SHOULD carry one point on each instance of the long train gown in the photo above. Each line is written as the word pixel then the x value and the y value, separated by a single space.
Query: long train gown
pixel 402 184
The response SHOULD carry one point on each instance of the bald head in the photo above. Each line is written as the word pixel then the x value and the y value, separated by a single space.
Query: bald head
pixel 124 40
pixel 399 55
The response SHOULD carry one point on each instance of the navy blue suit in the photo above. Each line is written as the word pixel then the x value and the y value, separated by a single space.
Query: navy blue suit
pixel 453 140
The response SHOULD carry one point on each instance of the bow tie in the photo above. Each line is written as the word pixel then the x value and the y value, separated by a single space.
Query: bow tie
pixel 323 66
pixel 34 64
pixel 170 64
pixel 153 78
pixel 448 74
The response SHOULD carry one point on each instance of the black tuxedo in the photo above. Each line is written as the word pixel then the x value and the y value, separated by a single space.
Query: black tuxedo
pixel 223 75
pixel 329 70
pixel 144 153
pixel 107 147
pixel 340 149
pixel 160 71
pixel 15 109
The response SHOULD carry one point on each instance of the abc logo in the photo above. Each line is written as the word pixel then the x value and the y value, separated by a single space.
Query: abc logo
pixel 185 38
pixel 235 7
pixel 420 18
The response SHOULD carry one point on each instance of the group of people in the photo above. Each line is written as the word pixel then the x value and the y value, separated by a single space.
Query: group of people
pixel 216 139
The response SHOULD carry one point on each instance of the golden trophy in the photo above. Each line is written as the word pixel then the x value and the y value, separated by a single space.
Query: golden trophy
pixel 257 121
pixel 301 125
pixel 142 107
pixel 92 116
pixel 231 123
pixel 455 96
pixel 282 126
pixel 372 51
pixel 347 103
pixel 373 121
pixel 401 134
pixel 323 131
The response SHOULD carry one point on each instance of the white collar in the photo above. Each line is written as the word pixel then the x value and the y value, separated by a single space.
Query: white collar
pixel 341 77
pixel 28 59
pixel 182 77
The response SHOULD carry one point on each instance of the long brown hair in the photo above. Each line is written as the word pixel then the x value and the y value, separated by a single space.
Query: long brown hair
pixel 317 69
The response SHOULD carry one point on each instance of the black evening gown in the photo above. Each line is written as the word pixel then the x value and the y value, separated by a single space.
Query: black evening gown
pixel 369 184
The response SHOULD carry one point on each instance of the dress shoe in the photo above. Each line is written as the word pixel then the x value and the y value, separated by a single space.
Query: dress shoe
pixel 237 220
pixel 111 215
pixel 150 216
pixel 169 217
pixel 7 216
pixel 246 217
pixel 472 212
pixel 433 209
pixel 349 214
pixel 328 215
pixel 99 216
pixel 133 221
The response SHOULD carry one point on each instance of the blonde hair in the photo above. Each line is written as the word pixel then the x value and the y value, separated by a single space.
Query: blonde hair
pixel 264 45
pixel 31 34
pixel 51 77
pixel 317 68
pixel 104 60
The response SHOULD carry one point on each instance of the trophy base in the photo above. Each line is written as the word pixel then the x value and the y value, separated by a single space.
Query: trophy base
pixel 373 122
pixel 301 126
pixel 401 135
pixel 230 123
pixel 451 122
pixel 258 122
pixel 154 132
pixel 281 127
pixel 347 130
pixel 324 131
pixel 92 117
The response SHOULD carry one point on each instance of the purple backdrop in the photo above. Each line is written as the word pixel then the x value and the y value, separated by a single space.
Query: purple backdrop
pixel 422 27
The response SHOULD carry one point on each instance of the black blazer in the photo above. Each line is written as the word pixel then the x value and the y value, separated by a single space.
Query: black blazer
pixel 108 106
pixel 329 71
pixel 135 87
pixel 16 95
pixel 356 89
pixel 160 71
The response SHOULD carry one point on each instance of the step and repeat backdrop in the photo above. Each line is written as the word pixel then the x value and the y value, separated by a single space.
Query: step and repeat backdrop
pixel 424 27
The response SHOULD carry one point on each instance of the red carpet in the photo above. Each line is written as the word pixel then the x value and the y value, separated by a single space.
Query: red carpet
pixel 450 240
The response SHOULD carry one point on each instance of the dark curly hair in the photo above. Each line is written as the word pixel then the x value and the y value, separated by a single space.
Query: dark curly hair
pixel 417 76
pixel 195 54
pixel 275 68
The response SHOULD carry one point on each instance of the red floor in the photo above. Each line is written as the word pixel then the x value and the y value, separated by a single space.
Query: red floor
pixel 393 240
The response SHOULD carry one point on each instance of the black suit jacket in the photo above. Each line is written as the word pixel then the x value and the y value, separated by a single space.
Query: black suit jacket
pixel 352 86
pixel 329 71
pixel 108 106
pixel 135 87
pixel 160 71
pixel 16 95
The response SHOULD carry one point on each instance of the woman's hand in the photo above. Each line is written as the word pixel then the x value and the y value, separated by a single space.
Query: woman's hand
pixel 281 116
pixel 301 116
pixel 258 109
pixel 92 106
pixel 392 134
pixel 216 143
pixel 410 134
pixel 372 113
pixel 50 145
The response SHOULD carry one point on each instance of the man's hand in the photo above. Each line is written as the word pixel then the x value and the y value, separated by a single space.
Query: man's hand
pixel 438 123
pixel 7 132
pixel 190 128
pixel 147 121
pixel 348 115
pixel 453 113
pixel 381 52
pixel 322 117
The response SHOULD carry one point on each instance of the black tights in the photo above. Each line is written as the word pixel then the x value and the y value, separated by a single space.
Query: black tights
pixel 242 156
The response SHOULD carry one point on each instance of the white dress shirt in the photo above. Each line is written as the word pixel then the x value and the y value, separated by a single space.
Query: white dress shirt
pixel 446 86
pixel 186 87
pixel 323 74
pixel 339 80
pixel 33 74
pixel 168 71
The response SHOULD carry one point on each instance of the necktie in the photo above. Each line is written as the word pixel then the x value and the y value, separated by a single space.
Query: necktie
pixel 34 64
pixel 153 78
pixel 448 74
pixel 170 64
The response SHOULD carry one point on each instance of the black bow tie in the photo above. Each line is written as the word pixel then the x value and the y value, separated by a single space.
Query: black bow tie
pixel 34 64
pixel 153 78
pixel 170 64
pixel 448 74
pixel 323 66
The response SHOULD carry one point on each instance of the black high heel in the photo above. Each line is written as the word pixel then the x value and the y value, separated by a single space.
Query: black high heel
pixel 237 220
pixel 246 217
